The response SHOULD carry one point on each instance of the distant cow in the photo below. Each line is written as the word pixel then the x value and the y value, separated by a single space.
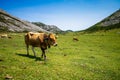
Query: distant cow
pixel 4 36
pixel 75 39
pixel 41 40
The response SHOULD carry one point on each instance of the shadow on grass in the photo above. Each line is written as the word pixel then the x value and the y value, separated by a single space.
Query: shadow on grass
pixel 30 56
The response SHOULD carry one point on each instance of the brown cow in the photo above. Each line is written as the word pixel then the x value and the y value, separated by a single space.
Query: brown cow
pixel 4 36
pixel 41 40
pixel 75 39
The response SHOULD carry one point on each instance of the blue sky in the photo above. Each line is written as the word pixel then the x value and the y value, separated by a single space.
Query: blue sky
pixel 66 14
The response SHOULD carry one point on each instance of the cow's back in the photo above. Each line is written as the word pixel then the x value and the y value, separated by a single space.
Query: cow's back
pixel 32 39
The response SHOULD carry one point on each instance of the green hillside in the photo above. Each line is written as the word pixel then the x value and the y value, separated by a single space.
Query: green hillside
pixel 111 22
pixel 99 28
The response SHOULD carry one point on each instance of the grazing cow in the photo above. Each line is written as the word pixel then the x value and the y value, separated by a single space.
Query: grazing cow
pixel 4 36
pixel 75 39
pixel 41 40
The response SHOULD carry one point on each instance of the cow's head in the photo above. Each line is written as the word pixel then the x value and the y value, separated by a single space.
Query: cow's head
pixel 52 39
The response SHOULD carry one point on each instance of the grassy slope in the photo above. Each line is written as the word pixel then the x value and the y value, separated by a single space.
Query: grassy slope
pixel 94 56
pixel 97 27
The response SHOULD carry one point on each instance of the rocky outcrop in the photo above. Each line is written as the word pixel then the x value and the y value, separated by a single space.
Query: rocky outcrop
pixel 111 20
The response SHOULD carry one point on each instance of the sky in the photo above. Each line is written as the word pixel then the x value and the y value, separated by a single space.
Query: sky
pixel 65 14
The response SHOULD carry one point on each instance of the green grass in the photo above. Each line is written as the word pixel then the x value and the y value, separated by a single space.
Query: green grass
pixel 95 56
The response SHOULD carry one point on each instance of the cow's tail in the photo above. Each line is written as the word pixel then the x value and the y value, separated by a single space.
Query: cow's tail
pixel 26 38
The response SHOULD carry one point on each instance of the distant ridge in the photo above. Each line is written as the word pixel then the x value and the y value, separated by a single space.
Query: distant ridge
pixel 111 22
pixel 51 28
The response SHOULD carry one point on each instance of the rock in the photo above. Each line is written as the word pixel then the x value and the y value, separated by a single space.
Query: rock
pixel 8 77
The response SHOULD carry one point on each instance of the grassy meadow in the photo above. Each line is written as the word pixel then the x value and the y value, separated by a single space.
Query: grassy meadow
pixel 96 56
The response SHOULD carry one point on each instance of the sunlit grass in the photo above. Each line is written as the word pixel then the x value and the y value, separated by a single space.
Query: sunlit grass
pixel 95 56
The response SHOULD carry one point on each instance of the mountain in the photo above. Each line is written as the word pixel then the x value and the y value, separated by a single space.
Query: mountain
pixel 111 22
pixel 13 24
pixel 51 28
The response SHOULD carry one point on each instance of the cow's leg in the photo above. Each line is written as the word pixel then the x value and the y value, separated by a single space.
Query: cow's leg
pixel 43 53
pixel 27 49
pixel 33 51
